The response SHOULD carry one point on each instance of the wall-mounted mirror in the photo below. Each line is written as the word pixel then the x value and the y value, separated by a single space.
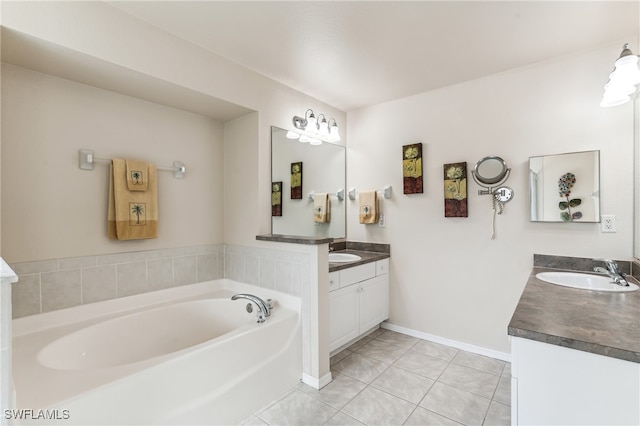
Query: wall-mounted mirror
pixel 322 170
pixel 565 187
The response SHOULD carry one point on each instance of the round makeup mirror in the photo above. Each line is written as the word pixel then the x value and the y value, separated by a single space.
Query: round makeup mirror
pixel 490 170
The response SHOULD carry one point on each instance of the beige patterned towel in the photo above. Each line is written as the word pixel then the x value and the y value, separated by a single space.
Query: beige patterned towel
pixel 132 215
pixel 321 208
pixel 368 211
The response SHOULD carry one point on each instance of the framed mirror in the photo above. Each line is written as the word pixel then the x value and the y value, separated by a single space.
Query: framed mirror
pixel 565 187
pixel 312 169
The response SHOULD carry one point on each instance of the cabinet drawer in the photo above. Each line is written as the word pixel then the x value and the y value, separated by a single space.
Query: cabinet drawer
pixel 356 274
pixel 382 267
pixel 334 280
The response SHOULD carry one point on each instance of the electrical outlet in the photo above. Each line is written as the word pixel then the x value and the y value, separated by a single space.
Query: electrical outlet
pixel 381 221
pixel 608 223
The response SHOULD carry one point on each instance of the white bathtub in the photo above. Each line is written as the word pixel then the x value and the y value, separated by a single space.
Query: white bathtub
pixel 186 355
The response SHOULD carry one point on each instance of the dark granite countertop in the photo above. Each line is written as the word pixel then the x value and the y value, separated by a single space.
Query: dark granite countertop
pixel 598 322
pixel 367 257
pixel 294 239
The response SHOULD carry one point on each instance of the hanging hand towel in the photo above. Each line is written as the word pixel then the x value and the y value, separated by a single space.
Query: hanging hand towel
pixel 137 175
pixel 321 208
pixel 132 215
pixel 368 207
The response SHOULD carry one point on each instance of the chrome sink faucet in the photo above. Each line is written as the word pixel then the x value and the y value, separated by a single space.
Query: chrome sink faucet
pixel 612 271
pixel 264 307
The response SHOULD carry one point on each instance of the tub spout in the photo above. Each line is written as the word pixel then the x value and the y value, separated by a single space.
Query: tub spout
pixel 264 307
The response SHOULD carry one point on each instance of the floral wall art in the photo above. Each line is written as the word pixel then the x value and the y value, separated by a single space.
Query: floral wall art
pixel 565 183
pixel 412 168
pixel 455 190
pixel 296 181
pixel 276 198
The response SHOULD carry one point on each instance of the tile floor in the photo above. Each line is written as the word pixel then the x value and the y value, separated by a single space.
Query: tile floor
pixel 389 378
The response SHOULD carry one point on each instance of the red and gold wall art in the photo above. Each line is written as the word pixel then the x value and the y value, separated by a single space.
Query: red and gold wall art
pixel 276 198
pixel 455 190
pixel 412 168
pixel 296 181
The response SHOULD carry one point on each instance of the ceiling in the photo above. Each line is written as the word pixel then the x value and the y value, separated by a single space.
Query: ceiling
pixel 352 54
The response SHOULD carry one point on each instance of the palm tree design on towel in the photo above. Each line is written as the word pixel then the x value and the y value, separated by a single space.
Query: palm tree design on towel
pixel 137 209
pixel 136 176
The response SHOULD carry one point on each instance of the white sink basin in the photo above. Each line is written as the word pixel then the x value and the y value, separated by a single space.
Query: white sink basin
pixel 584 281
pixel 343 257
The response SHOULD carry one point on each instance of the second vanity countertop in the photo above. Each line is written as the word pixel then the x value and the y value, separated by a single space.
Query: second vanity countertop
pixel 597 322
pixel 367 257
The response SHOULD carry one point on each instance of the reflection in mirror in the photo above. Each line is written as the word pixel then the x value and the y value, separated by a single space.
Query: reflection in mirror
pixel 565 187
pixel 323 171
pixel 490 170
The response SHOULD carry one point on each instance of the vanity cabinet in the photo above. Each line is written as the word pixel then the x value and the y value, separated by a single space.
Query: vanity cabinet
pixel 358 301
pixel 554 385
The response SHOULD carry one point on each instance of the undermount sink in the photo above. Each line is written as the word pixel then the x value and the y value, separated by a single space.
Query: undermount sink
pixel 584 281
pixel 343 257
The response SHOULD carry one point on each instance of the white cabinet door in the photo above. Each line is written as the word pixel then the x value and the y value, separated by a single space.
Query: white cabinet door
pixel 374 302
pixel 344 307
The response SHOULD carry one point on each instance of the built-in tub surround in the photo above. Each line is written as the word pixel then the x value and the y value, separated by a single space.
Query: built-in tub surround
pixel 49 285
pixel 62 283
pixel 210 362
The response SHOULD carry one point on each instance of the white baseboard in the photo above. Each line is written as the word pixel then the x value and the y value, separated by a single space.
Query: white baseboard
pixel 316 383
pixel 504 356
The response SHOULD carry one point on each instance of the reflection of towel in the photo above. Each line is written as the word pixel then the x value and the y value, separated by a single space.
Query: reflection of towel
pixel 137 175
pixel 321 208
pixel 368 207
pixel 131 215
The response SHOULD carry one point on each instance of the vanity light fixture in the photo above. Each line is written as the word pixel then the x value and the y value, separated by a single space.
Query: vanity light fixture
pixel 623 80
pixel 314 130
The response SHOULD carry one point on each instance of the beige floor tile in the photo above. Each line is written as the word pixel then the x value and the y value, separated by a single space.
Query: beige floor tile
pixel 382 351
pixel 424 417
pixel 297 408
pixel 503 391
pixel 361 367
pixel 436 350
pixel 470 379
pixel 422 364
pixel 337 393
pixel 341 419
pixel 498 415
pixel 375 407
pixel 479 362
pixel 403 384
pixel 456 404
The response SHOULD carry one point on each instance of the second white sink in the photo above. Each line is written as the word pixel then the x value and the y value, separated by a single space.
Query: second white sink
pixel 343 257
pixel 584 281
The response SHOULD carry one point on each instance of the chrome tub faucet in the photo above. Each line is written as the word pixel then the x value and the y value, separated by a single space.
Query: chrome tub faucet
pixel 613 271
pixel 264 307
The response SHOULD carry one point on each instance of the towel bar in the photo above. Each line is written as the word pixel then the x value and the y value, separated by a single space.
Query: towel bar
pixel 87 159
pixel 339 194
pixel 385 192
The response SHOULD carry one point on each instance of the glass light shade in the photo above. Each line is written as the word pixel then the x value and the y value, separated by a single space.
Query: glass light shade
pixel 314 141
pixel 305 138
pixel 323 131
pixel 627 70
pixel 614 98
pixel 292 135
pixel 334 135
pixel 312 124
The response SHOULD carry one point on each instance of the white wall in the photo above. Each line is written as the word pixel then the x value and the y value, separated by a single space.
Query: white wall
pixel 104 32
pixel 447 277
pixel 52 209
